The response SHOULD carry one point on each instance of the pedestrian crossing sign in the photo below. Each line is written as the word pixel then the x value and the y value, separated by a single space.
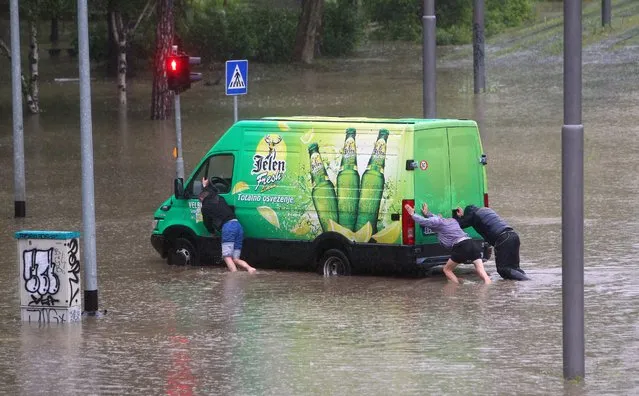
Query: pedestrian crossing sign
pixel 236 77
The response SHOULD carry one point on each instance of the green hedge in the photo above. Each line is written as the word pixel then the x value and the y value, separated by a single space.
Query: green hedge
pixel 267 34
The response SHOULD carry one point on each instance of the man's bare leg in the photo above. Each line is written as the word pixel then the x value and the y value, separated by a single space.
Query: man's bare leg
pixel 448 271
pixel 230 263
pixel 479 268
pixel 244 265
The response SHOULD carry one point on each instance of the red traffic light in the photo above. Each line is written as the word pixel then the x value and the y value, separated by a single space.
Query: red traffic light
pixel 178 72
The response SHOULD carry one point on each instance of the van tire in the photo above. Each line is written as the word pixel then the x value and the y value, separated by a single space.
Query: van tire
pixel 183 252
pixel 334 263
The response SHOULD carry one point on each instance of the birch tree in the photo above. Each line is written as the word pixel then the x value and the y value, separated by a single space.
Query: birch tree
pixel 123 29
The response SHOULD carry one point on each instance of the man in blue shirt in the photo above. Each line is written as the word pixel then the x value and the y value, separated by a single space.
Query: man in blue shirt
pixel 452 237
pixel 498 234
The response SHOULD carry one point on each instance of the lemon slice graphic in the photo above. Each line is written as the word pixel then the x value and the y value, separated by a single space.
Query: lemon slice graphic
pixel 364 234
pixel 239 187
pixel 302 228
pixel 283 126
pixel 333 226
pixel 270 215
pixel 390 234
pixel 307 137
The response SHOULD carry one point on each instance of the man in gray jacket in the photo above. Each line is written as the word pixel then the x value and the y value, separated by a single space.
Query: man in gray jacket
pixel 452 237
pixel 499 235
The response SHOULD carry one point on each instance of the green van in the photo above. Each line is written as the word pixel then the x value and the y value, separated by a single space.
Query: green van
pixel 328 193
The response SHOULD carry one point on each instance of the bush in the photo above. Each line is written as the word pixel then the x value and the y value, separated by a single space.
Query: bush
pixel 342 28
pixel 262 34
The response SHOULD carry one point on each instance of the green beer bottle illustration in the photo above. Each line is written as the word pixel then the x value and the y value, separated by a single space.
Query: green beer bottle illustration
pixel 372 185
pixel 323 192
pixel 348 183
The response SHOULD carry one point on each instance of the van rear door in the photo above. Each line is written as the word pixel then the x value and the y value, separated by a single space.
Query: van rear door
pixel 431 176
pixel 466 170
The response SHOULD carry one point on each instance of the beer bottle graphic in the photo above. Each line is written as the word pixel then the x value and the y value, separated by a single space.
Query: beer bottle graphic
pixel 348 183
pixel 372 185
pixel 323 192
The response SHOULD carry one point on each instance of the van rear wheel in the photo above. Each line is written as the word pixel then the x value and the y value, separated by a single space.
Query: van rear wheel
pixel 183 253
pixel 334 263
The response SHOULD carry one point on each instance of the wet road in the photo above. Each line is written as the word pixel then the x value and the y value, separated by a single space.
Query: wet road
pixel 203 331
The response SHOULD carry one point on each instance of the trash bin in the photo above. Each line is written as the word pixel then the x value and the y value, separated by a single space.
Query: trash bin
pixel 49 283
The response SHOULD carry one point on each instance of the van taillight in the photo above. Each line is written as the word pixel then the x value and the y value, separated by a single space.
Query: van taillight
pixel 408 224
pixel 486 200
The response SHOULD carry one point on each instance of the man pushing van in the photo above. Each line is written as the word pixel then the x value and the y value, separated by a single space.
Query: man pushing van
pixel 498 234
pixel 452 237
pixel 218 215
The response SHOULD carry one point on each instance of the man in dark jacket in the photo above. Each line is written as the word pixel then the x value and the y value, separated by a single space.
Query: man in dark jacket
pixel 219 216
pixel 498 234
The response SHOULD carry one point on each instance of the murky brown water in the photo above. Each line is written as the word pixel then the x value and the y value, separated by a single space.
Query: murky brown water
pixel 204 331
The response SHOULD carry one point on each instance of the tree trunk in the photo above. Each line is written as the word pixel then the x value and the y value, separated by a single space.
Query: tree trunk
pixel 34 58
pixel 120 35
pixel 308 28
pixel 55 32
pixel 162 98
pixel 112 47
pixel 24 85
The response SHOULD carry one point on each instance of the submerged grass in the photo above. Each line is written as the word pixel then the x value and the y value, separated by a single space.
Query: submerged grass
pixel 545 35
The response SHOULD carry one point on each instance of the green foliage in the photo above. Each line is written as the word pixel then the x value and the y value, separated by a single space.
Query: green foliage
pixel 342 28
pixel 402 19
pixel 396 19
pixel 262 34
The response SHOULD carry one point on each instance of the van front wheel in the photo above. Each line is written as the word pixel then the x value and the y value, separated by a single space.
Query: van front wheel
pixel 334 263
pixel 182 253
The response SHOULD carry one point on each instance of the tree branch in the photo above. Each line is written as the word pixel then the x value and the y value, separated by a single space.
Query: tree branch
pixel 114 27
pixel 145 12
pixel 5 48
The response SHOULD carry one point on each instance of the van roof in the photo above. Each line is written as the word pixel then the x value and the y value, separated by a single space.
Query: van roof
pixel 371 120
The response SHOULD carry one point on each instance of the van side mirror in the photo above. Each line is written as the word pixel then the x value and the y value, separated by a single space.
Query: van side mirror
pixel 178 188
pixel 483 160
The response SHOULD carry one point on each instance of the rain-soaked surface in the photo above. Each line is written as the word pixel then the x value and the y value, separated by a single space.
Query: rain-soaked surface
pixel 177 330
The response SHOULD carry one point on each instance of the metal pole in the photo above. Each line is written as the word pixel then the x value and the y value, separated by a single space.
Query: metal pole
pixel 479 70
pixel 235 108
pixel 18 122
pixel 429 59
pixel 572 206
pixel 179 162
pixel 86 141
pixel 606 13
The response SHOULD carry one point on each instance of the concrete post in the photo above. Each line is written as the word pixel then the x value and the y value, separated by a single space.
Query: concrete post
pixel 479 70
pixel 18 121
pixel 86 143
pixel 429 59
pixel 572 197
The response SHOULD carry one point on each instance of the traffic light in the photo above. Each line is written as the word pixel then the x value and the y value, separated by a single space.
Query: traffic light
pixel 178 72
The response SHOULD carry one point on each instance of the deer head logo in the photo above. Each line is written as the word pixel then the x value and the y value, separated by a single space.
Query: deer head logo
pixel 272 140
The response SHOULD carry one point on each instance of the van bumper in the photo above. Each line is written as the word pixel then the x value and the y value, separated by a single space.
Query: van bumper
pixel 160 244
pixel 378 258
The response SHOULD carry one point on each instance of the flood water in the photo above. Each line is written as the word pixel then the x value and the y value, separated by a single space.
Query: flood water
pixel 172 330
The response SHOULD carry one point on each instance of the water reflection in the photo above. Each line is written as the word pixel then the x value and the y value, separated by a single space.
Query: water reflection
pixel 202 330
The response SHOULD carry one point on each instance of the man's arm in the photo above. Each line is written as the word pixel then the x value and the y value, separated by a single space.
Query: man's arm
pixel 429 220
